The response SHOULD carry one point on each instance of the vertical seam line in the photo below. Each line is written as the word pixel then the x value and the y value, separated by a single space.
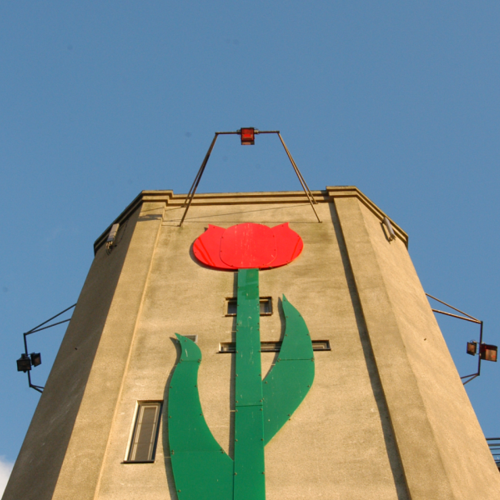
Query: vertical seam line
pixel 125 371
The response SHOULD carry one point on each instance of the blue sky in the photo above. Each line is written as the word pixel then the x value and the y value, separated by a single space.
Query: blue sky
pixel 100 100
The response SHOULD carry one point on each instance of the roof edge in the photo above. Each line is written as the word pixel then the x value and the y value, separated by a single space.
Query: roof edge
pixel 324 196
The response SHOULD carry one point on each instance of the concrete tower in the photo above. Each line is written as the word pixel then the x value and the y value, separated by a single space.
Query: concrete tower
pixel 378 411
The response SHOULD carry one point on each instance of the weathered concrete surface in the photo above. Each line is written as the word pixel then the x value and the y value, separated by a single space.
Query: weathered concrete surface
pixel 319 452
pixel 438 436
pixel 36 471
pixel 384 419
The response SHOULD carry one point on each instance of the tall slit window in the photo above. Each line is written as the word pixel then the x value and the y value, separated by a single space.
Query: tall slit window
pixel 145 434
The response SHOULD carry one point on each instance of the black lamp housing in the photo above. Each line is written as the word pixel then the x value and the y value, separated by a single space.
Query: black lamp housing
pixel 36 358
pixel 24 363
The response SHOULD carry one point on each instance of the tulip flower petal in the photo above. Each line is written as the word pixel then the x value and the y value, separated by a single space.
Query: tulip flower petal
pixel 289 245
pixel 206 248
pixel 248 246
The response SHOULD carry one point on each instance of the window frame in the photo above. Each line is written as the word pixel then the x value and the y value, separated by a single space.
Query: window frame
pixel 272 346
pixel 135 429
pixel 233 300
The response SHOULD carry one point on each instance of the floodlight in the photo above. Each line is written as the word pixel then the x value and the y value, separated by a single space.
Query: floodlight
pixel 24 363
pixel 472 347
pixel 247 136
pixel 36 358
pixel 390 230
pixel 488 352
pixel 111 237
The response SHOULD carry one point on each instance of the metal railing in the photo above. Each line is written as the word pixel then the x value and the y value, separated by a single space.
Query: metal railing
pixel 494 444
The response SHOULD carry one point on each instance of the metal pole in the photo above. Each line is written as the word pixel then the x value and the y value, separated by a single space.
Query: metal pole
pixel 472 377
pixel 451 307
pixel 200 171
pixel 197 179
pixel 294 165
pixel 297 171
pixel 480 343
pixel 49 326
pixel 50 319
pixel 302 181
pixel 25 343
pixel 456 316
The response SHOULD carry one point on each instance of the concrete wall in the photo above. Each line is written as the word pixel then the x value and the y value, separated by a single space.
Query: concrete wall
pixel 44 450
pixel 440 440
pixel 386 418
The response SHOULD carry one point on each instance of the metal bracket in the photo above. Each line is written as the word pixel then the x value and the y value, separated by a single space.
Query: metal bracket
pixel 194 186
pixel 39 328
pixel 465 317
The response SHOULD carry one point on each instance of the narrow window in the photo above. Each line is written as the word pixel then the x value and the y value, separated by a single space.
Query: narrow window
pixel 266 306
pixel 231 307
pixel 271 346
pixel 145 435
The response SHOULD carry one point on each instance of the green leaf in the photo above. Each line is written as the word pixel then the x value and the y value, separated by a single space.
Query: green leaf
pixel 291 377
pixel 202 470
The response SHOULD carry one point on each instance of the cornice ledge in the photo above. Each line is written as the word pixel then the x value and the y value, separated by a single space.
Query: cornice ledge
pixel 130 208
pixel 323 196
pixel 354 192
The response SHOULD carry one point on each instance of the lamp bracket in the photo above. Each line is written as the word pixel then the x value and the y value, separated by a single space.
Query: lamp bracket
pixel 465 317
pixel 39 328
pixel 194 187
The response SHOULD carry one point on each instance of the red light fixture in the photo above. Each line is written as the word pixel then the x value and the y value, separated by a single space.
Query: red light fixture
pixel 488 352
pixel 247 136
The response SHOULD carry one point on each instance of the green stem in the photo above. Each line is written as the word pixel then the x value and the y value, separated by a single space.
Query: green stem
pixel 249 478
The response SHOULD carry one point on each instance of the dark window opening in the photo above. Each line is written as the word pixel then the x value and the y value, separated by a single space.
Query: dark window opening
pixel 266 306
pixel 271 346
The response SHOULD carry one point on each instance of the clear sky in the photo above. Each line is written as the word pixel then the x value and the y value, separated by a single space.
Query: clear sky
pixel 100 100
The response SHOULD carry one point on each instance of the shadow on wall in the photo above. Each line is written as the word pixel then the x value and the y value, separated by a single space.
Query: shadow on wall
pixel 385 418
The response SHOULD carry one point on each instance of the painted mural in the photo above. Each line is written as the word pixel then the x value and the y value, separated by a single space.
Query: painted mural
pixel 202 470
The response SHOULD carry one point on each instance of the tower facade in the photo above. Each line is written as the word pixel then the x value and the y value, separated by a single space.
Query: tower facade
pixel 384 414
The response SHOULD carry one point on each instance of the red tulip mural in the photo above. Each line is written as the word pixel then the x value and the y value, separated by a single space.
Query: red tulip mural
pixel 247 246
pixel 202 470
